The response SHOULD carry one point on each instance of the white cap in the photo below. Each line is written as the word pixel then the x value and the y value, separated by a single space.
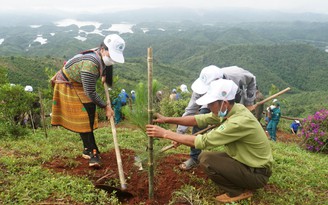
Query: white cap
pixel 297 121
pixel 184 88
pixel 132 91
pixel 116 47
pixel 123 91
pixel 274 100
pixel 28 88
pixel 174 90
pixel 207 75
pixel 221 89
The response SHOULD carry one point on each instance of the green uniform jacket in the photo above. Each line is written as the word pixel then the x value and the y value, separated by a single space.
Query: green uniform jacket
pixel 241 134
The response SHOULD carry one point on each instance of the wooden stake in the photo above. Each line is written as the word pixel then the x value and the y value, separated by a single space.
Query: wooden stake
pixel 150 121
pixel 42 115
pixel 116 146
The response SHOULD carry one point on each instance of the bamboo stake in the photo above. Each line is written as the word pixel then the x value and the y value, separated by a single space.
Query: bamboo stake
pixel 42 115
pixel 150 121
pixel 32 121
pixel 116 146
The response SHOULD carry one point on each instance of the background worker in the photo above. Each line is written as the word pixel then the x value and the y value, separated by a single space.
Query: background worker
pixel 246 82
pixel 246 163
pixel 275 114
pixel 124 97
pixel 294 126
pixel 174 95
pixel 184 88
pixel 75 97
pixel 117 109
pixel 133 96
pixel 259 109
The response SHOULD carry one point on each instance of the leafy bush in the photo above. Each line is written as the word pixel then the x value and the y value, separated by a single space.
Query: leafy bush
pixel 175 108
pixel 315 132
pixel 15 103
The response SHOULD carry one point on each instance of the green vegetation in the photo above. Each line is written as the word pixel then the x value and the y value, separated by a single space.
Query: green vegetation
pixel 299 177
pixel 301 67
pixel 280 55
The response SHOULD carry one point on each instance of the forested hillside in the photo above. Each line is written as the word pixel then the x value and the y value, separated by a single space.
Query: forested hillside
pixel 301 67
pixel 281 54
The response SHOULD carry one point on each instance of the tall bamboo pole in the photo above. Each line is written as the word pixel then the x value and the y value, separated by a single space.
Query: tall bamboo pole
pixel 150 121
pixel 42 115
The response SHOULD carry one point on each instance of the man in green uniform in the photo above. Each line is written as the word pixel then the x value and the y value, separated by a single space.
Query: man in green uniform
pixel 246 163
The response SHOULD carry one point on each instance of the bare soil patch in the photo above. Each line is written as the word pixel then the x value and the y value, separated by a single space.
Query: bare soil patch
pixel 167 177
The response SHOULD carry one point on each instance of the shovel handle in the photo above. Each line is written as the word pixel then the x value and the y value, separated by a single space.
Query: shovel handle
pixel 271 97
pixel 168 147
pixel 117 148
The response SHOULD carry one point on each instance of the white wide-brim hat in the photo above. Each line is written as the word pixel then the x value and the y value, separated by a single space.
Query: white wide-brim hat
pixel 221 89
pixel 207 75
pixel 115 45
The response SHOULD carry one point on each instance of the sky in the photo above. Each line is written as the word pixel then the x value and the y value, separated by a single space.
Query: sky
pixel 314 6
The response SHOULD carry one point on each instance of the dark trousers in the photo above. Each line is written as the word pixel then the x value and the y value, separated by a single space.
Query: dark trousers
pixel 194 153
pixel 88 138
pixel 231 175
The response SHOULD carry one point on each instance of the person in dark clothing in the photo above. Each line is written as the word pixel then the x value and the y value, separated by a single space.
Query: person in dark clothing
pixel 259 109
pixel 275 114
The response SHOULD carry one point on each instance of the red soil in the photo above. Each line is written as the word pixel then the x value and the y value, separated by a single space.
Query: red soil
pixel 167 178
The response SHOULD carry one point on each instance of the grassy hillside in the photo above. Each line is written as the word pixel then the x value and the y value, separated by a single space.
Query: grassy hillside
pixel 299 177
pixel 301 67
pixel 29 70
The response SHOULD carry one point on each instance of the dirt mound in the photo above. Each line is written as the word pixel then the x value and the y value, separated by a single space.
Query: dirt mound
pixel 167 180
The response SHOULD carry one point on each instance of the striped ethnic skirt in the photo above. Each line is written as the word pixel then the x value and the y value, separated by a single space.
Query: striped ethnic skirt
pixel 68 110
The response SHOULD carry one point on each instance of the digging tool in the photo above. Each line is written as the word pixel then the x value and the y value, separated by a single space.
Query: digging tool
pixel 292 118
pixel 197 133
pixel 119 192
pixel 269 98
pixel 251 109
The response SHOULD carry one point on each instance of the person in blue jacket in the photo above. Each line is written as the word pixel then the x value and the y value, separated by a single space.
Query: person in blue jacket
pixel 275 112
pixel 133 95
pixel 294 126
pixel 124 97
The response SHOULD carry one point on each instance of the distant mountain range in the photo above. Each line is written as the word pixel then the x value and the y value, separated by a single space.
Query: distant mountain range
pixel 203 16
pixel 41 34
pixel 286 50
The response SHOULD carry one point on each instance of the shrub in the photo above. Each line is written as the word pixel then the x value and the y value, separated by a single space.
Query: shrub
pixel 15 103
pixel 315 132
pixel 175 108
